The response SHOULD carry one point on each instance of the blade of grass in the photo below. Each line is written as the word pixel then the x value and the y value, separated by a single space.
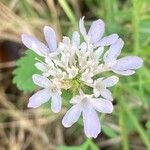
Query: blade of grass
pixel 68 11
pixel 109 11
pixel 136 124
pixel 27 9
pixel 135 22
pixel 124 133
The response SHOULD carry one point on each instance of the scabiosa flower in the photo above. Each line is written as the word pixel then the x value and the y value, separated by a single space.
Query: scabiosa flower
pixel 123 66
pixel 78 66
pixel 88 106
pixel 100 87
pixel 95 34
pixel 38 47
pixel 51 90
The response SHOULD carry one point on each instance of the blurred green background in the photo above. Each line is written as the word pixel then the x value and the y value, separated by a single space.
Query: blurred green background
pixel 128 128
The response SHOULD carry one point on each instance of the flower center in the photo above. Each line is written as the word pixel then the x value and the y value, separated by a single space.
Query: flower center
pixel 76 84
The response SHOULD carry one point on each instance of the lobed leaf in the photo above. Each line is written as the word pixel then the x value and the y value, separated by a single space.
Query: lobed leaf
pixel 24 71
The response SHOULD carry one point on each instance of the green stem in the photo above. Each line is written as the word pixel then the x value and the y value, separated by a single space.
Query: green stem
pixel 124 132
pixel 109 13
pixel 135 22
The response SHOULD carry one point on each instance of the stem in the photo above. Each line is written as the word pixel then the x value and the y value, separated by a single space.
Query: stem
pixel 109 11
pixel 124 132
pixel 135 22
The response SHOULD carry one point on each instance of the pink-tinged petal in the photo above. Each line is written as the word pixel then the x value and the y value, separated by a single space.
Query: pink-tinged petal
pixel 110 81
pixel 96 31
pixel 102 105
pixel 50 38
pixel 108 40
pixel 82 27
pixel 124 73
pixel 35 45
pixel 41 81
pixel 106 94
pixel 76 38
pixel 56 103
pixel 128 63
pixel 71 116
pixel 39 98
pixel 91 122
pixel 115 50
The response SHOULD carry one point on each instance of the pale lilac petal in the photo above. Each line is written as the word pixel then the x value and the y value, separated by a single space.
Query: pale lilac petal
pixel 39 98
pixel 35 45
pixel 41 81
pixel 96 31
pixel 108 40
pixel 124 73
pixel 71 116
pixel 102 105
pixel 82 27
pixel 110 81
pixel 91 122
pixel 76 38
pixel 115 49
pixel 128 63
pixel 106 94
pixel 50 38
pixel 42 66
pixel 56 103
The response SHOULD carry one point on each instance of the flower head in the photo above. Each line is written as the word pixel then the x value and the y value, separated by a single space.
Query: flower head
pixel 100 87
pixel 88 106
pixel 50 90
pixel 39 47
pixel 95 34
pixel 123 66
pixel 78 66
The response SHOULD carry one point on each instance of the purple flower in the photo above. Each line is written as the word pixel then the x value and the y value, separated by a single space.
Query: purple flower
pixel 100 87
pixel 123 66
pixel 95 33
pixel 88 107
pixel 73 64
pixel 50 91
pixel 39 47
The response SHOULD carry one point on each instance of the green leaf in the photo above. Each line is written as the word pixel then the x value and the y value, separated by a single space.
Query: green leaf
pixel 24 71
pixel 109 131
pixel 66 97
pixel 148 124
pixel 148 128
pixel 93 146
